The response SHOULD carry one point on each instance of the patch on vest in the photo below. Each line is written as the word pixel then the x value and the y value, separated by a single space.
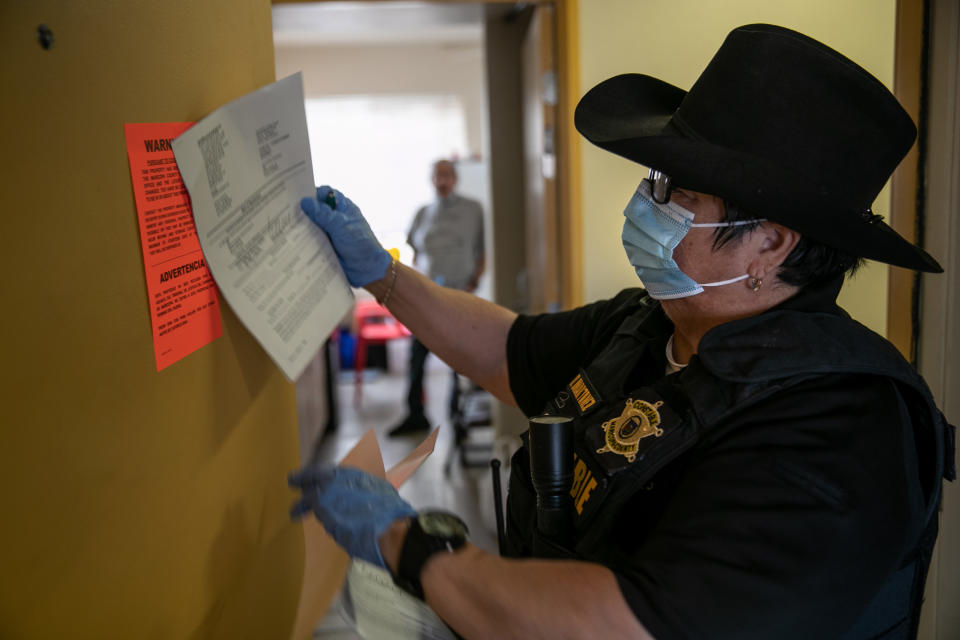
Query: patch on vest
pixel 622 435
pixel 581 392
pixel 580 396
pixel 583 484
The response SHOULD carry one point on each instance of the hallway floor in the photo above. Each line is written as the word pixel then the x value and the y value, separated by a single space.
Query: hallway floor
pixel 465 491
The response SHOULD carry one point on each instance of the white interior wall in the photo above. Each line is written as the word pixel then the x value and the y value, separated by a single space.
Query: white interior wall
pixel 403 69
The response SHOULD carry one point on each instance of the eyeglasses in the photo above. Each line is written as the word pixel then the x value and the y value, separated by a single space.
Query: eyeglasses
pixel 660 186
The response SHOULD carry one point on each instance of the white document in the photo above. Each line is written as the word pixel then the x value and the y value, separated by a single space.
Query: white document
pixel 380 610
pixel 246 167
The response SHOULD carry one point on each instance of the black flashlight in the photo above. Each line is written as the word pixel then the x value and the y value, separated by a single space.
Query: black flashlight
pixel 551 469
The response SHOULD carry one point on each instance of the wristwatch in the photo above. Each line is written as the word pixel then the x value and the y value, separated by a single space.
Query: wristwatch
pixel 430 532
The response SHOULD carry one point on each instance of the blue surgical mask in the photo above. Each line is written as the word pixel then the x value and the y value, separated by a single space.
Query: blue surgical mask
pixel 651 232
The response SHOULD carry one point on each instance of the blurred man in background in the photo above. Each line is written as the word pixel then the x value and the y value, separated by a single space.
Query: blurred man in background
pixel 447 240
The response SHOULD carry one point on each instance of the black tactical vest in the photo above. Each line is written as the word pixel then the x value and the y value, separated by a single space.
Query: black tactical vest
pixel 738 365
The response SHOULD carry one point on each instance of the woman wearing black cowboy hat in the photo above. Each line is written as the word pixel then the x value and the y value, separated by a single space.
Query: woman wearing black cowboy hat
pixel 749 462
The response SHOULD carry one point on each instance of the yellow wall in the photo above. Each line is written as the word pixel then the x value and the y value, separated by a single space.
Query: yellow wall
pixel 674 40
pixel 135 504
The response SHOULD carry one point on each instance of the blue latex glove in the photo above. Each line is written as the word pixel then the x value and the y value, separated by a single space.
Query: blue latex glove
pixel 354 507
pixel 361 256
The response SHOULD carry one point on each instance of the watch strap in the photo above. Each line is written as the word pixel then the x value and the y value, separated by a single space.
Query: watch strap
pixel 412 558
pixel 418 547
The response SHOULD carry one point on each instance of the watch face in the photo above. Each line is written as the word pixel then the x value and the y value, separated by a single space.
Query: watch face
pixel 442 524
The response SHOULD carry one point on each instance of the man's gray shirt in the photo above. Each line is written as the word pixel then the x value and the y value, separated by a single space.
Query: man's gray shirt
pixel 447 235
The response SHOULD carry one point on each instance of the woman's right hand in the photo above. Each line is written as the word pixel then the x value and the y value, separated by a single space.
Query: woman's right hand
pixel 362 257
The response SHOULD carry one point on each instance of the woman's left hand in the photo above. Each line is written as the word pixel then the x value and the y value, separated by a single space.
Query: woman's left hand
pixel 354 507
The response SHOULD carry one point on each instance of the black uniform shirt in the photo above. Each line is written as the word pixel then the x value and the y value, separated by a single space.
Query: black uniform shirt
pixel 784 526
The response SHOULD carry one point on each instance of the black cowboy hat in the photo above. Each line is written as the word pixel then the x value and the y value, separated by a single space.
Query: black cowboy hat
pixel 778 123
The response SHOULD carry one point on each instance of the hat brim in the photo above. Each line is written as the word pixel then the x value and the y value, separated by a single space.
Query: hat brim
pixel 632 116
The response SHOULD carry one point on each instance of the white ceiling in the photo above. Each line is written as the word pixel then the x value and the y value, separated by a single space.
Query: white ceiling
pixel 319 23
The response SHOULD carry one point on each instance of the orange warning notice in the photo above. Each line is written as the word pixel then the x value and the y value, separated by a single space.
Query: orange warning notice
pixel 184 308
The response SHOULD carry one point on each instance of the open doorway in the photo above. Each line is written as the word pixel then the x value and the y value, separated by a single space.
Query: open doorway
pixel 390 88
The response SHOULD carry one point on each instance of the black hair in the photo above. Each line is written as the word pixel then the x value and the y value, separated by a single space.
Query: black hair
pixel 810 262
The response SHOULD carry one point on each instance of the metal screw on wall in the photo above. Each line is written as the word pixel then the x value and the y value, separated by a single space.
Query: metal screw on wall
pixel 45 36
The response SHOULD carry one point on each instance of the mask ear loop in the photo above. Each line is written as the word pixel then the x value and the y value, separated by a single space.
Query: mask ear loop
pixel 723 282
pixel 754 282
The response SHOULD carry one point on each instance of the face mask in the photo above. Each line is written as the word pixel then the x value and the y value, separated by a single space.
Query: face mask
pixel 651 232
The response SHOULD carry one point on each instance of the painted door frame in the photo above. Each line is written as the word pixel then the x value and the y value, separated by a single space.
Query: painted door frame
pixel 932 336
pixel 939 330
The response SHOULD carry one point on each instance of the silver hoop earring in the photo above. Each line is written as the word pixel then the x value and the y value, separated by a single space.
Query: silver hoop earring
pixel 755 284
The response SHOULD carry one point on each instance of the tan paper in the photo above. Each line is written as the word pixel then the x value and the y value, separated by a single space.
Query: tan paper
pixel 402 471
pixel 325 564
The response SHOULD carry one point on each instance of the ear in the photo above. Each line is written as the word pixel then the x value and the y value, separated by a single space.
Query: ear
pixel 773 243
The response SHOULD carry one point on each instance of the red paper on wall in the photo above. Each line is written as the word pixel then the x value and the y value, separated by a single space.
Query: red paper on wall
pixel 184 307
